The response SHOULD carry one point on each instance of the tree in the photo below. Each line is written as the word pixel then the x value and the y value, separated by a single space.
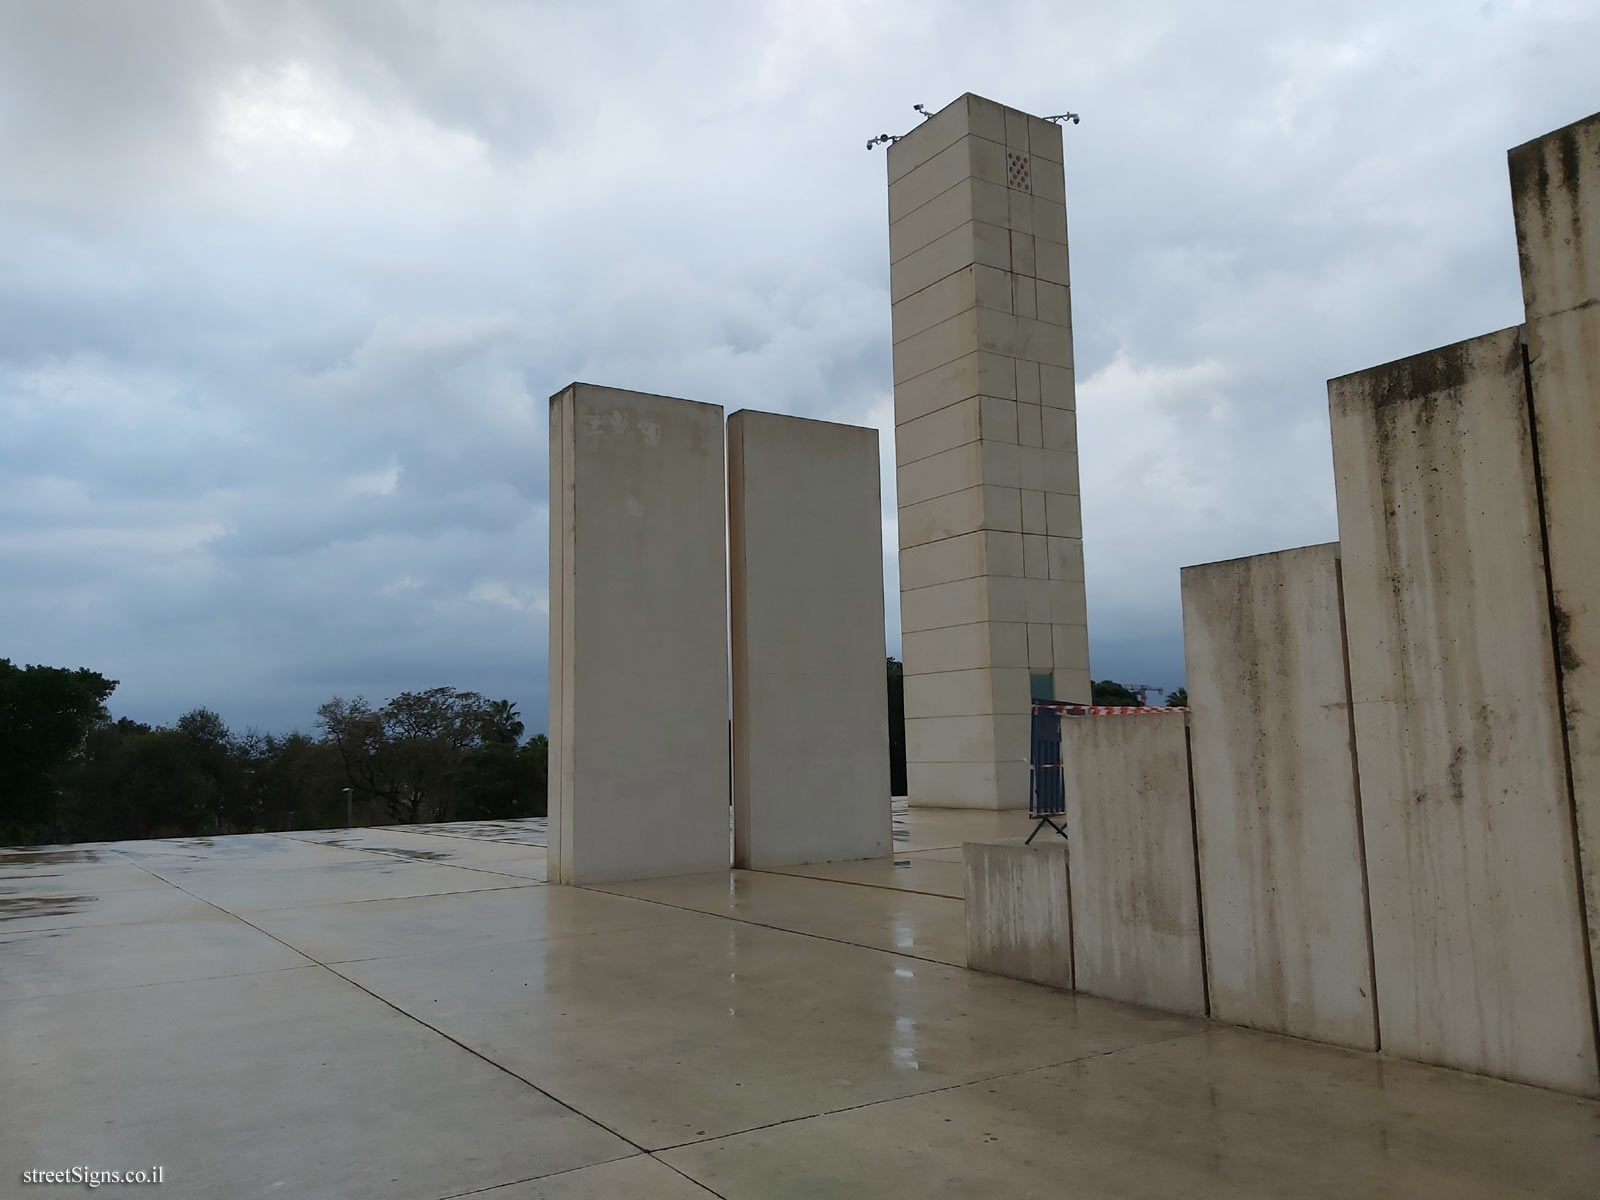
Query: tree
pixel 1110 692
pixel 897 727
pixel 46 713
pixel 1178 698
pixel 503 724
pixel 410 754
pixel 502 782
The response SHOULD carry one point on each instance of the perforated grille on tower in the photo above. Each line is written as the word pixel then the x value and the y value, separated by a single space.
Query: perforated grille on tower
pixel 1017 171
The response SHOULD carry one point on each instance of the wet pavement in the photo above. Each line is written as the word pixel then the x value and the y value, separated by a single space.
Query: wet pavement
pixel 413 1012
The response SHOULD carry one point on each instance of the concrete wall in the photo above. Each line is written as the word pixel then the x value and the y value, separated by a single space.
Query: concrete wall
pixel 991 555
pixel 1135 905
pixel 810 709
pixel 1019 917
pixel 638 637
pixel 1555 193
pixel 1279 832
pixel 1476 923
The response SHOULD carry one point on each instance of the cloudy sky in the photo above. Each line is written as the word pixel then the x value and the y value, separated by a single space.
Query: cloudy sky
pixel 285 286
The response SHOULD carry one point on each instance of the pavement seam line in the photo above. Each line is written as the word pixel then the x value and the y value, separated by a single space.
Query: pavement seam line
pixel 409 1016
pixel 949 1087
pixel 821 937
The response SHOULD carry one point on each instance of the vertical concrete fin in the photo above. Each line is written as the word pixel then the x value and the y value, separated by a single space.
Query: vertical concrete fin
pixel 639 636
pixel 1555 195
pixel 810 704
pixel 1478 942
pixel 1276 810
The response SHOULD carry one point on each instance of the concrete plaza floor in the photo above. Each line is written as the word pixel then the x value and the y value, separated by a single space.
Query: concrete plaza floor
pixel 414 1013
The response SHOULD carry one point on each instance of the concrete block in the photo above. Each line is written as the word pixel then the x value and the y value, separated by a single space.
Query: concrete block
pixel 935 346
pixel 985 118
pixel 1021 252
pixel 1067 604
pixel 936 390
pixel 937 431
pixel 1073 683
pixel 1476 922
pixel 953 470
pixel 942 605
pixel 966 647
pixel 941 257
pixel 1049 345
pixel 961 693
pixel 946 127
pixel 1062 516
pixel 1032 511
pixel 1035 564
pixel 943 517
pixel 1135 904
pixel 1059 426
pixel 992 289
pixel 638 611
pixel 1055 308
pixel 806 588
pixel 1019 211
pixel 998 418
pixel 1049 181
pixel 934 304
pixel 1019 920
pixel 1065 558
pixel 986 785
pixel 1027 382
pixel 1279 829
pixel 1040 658
pixel 1044 139
pixel 1056 387
pixel 949 210
pixel 988 160
pixel 1070 650
pixel 1050 262
pixel 1049 219
pixel 979 737
pixel 943 171
pixel 1555 192
pixel 1030 429
pixel 1016 130
pixel 947 560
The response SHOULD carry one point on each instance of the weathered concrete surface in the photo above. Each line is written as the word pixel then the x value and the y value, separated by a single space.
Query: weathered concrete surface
pixel 1476 920
pixel 638 636
pixel 1019 917
pixel 810 715
pixel 1135 905
pixel 1555 193
pixel 991 558
pixel 1276 813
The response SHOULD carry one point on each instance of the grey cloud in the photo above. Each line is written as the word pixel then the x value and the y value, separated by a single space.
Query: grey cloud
pixel 284 286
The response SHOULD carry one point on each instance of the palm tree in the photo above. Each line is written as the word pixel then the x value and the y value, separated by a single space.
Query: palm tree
pixel 502 722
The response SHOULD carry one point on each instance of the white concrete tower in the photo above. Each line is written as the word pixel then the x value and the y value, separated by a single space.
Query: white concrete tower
pixel 991 541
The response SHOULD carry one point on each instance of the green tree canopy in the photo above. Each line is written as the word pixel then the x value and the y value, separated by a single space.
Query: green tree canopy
pixel 45 715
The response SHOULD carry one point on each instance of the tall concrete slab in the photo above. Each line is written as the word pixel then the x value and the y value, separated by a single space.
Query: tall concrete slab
pixel 991 554
pixel 638 637
pixel 810 704
pixel 1555 193
pixel 1477 927
pixel 1135 903
pixel 1276 812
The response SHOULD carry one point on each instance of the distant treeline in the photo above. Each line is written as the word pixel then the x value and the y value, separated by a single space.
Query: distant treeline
pixel 70 773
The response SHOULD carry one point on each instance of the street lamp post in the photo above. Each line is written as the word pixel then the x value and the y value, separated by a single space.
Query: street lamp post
pixel 348 822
